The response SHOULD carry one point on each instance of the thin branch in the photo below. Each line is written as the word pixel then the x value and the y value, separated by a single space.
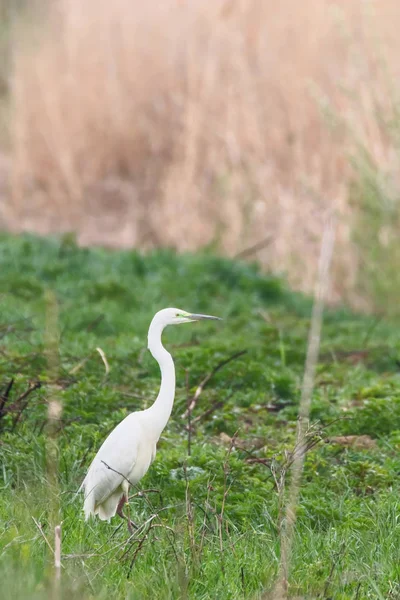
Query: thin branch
pixel 38 525
pixel 111 469
pixel 94 323
pixel 118 473
pixel 84 360
pixel 255 247
pixel 142 493
pixel 32 386
pixel 207 378
pixel 4 396
pixel 80 364
pixel 189 414
pixel 139 547
pixel 215 406
pixel 335 562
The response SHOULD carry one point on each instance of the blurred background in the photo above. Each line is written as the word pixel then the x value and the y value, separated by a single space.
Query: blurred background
pixel 209 123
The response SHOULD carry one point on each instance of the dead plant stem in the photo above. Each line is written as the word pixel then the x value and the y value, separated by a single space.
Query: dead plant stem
pixel 289 521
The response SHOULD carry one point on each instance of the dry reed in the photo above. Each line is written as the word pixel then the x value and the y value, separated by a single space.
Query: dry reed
pixel 186 123
pixel 288 524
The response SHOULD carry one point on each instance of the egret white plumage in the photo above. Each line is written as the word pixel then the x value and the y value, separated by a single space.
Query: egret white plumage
pixel 127 453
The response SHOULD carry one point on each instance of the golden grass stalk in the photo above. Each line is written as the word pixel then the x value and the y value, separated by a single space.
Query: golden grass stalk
pixel 289 520
pixel 54 412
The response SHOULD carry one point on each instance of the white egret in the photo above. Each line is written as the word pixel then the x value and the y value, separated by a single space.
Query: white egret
pixel 127 453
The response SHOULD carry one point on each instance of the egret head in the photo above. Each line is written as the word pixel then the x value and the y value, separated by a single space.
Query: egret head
pixel 176 316
pixel 170 316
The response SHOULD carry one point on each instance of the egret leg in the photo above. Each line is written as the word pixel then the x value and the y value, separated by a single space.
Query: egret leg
pixel 120 512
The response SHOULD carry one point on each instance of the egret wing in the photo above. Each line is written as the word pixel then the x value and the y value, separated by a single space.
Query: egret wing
pixel 113 462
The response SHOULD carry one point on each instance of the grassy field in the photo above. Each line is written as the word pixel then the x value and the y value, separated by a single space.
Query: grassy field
pixel 210 525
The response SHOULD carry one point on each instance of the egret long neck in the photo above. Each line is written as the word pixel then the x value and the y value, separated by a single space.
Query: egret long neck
pixel 161 410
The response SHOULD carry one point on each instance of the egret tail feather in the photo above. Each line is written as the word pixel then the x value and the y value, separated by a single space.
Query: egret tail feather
pixel 108 508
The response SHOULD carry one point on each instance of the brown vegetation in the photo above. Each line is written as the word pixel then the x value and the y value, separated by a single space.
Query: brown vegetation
pixel 186 123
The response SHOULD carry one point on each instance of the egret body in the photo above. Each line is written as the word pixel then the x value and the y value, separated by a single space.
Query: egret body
pixel 127 453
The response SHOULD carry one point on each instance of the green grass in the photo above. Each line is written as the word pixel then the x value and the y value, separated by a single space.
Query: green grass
pixel 347 543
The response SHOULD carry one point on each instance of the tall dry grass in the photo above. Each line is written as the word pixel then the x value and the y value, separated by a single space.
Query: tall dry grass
pixel 185 123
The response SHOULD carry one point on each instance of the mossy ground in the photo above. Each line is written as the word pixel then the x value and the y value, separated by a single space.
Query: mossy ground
pixel 216 535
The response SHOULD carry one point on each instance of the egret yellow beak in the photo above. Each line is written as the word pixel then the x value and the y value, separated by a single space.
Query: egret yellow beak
pixel 196 317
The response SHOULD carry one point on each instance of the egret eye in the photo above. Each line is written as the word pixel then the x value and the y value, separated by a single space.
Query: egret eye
pixel 177 315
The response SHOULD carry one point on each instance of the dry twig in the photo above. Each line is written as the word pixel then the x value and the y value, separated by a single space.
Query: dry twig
pixel 4 396
pixel 42 533
pixel 207 378
pixel 255 247
pixel 22 402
